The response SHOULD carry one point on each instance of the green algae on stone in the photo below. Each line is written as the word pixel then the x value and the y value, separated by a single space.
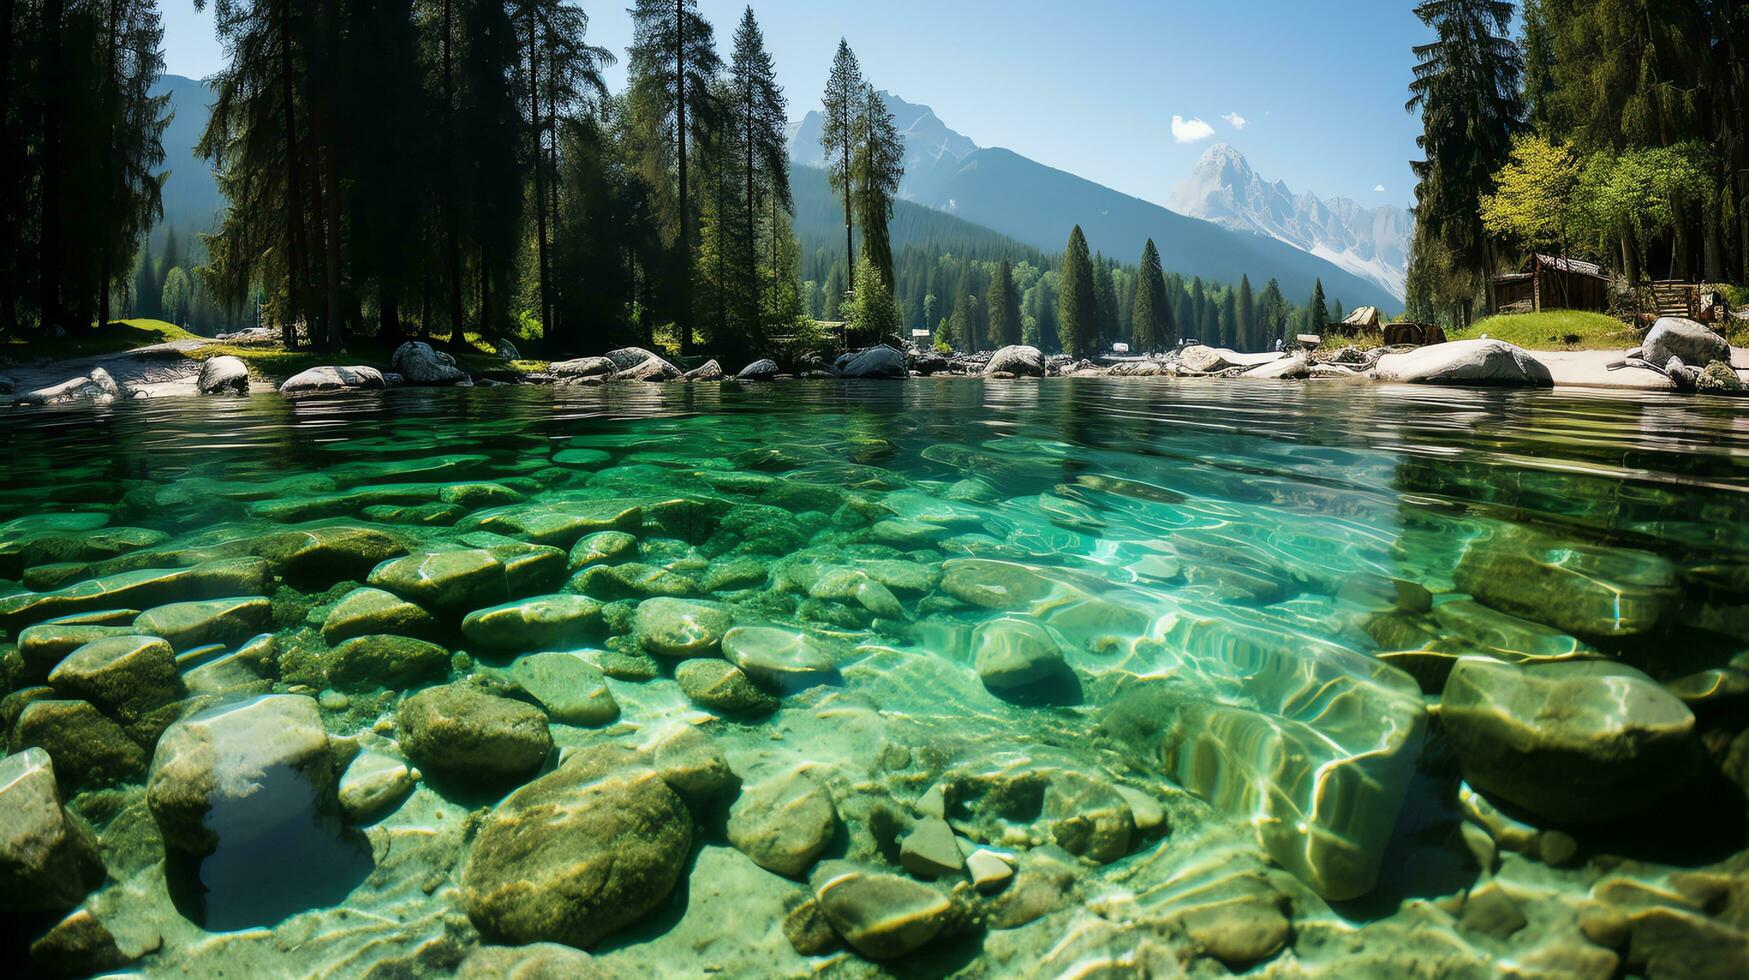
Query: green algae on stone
pixel 559 523
pixel 461 731
pixel 365 662
pixel 48 857
pixel 365 611
pixel 779 658
pixel 993 584
pixel 570 688
pixel 450 582
pixel 783 823
pixel 1583 589
pixel 190 624
pixel 1579 741
pixel 721 686
pixel 548 622
pixel 46 644
pixel 680 628
pixel 88 748
pixel 577 855
pixel 601 548
pixel 140 589
pixel 133 679
pixel 881 915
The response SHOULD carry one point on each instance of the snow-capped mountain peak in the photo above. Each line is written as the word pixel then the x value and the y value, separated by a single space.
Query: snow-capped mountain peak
pixel 1370 242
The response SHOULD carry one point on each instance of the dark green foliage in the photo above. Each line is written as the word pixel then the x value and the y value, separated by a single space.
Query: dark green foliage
pixel 842 106
pixel 1003 307
pixel 1317 314
pixel 879 165
pixel 1077 301
pixel 1151 314
pixel 1248 338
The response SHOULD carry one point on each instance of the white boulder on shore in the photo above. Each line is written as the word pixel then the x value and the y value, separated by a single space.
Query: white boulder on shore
pixel 1465 362
pixel 98 387
pixel 638 364
pixel 584 369
pixel 1018 360
pixel 1674 336
pixel 333 378
pixel 223 375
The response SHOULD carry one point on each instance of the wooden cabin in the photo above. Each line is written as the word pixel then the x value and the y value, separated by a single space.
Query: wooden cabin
pixel 1547 282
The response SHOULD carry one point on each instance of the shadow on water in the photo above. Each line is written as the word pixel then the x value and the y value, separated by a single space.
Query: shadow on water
pixel 280 853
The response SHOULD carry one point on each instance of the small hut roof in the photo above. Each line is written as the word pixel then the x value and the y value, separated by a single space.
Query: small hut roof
pixel 1363 316
pixel 1563 264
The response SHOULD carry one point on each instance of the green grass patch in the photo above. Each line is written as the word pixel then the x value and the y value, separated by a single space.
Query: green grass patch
pixel 1555 330
pixel 112 338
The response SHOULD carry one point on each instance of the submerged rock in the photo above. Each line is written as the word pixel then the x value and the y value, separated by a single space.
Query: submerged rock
pixel 133 679
pixel 372 782
pixel 1011 654
pixel 783 823
pixel 240 769
pixel 191 624
pixel 365 662
pixel 536 961
pixel 882 916
pixel 463 732
pixel 48 857
pixel 571 689
pixel 993 584
pixel 1578 741
pixel 89 749
pixel 367 611
pixel 578 854
pixel 721 686
pixel 548 622
pixel 679 627
pixel 451 582
pixel 140 589
pixel 930 850
pixel 44 645
pixel 1587 590
pixel 781 659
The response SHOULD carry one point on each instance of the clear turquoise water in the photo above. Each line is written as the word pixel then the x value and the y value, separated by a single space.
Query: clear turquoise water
pixel 1256 593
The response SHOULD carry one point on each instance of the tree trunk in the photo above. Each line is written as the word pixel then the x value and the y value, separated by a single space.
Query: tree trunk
pixel 111 98
pixel 10 186
pixel 389 318
pixel 540 182
pixel 553 328
pixel 680 131
pixel 49 233
pixel 297 270
pixel 752 212
pixel 452 245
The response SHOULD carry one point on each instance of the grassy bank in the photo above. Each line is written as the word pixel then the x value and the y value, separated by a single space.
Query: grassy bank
pixel 115 337
pixel 1555 330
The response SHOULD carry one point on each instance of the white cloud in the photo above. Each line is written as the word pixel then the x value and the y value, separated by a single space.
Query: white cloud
pixel 1235 120
pixel 1190 130
pixel 1378 189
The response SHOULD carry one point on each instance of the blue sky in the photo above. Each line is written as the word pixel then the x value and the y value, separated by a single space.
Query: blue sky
pixel 1090 86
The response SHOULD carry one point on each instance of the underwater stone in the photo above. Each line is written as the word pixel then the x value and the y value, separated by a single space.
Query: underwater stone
pixel 783 823
pixel 247 760
pixel 601 548
pixel 365 662
pixel 721 686
pixel 1014 653
pixel 1318 757
pixel 1087 817
pixel 882 916
pixel 582 457
pixel 806 928
pixel 633 580
pixel 990 871
pixel 329 553
pixel 48 857
pixel 781 659
pixel 1584 589
pixel 993 584
pixel 450 582
pixel 569 687
pixel 840 584
pixel 1580 741
pixel 463 732
pixel 538 623
pixel 578 854
pixel 370 783
pixel 735 574
pixel 192 624
pixel 88 748
pixel 930 850
pixel 536 961
pixel 680 628
pixel 140 589
pixel 366 611
pixel 131 678
pixel 691 764
pixel 560 523
pixel 46 644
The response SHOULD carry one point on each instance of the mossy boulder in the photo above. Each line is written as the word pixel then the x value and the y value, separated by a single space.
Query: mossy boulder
pixel 1577 587
pixel 461 731
pixel 322 555
pixel 133 679
pixel 779 659
pixel 140 589
pixel 548 622
pixel 191 624
pixel 367 611
pixel 447 582
pixel 603 548
pixel 44 645
pixel 721 686
pixel 578 854
pixel 48 857
pixel 671 627
pixel 89 749
pixel 573 690
pixel 365 662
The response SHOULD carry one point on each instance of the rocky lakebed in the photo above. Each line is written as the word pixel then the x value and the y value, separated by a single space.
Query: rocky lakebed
pixel 1098 678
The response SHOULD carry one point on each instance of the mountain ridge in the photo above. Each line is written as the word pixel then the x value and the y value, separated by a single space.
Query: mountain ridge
pixel 1372 242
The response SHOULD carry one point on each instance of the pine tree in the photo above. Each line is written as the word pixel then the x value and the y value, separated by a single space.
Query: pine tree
pixel 1317 314
pixel 759 115
pixel 1336 315
pixel 1003 307
pixel 1106 297
pixel 1248 336
pixel 1272 314
pixel 873 312
pixel 1228 320
pixel 841 108
pixel 673 60
pixel 1151 312
pixel 1077 304
pixel 878 167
